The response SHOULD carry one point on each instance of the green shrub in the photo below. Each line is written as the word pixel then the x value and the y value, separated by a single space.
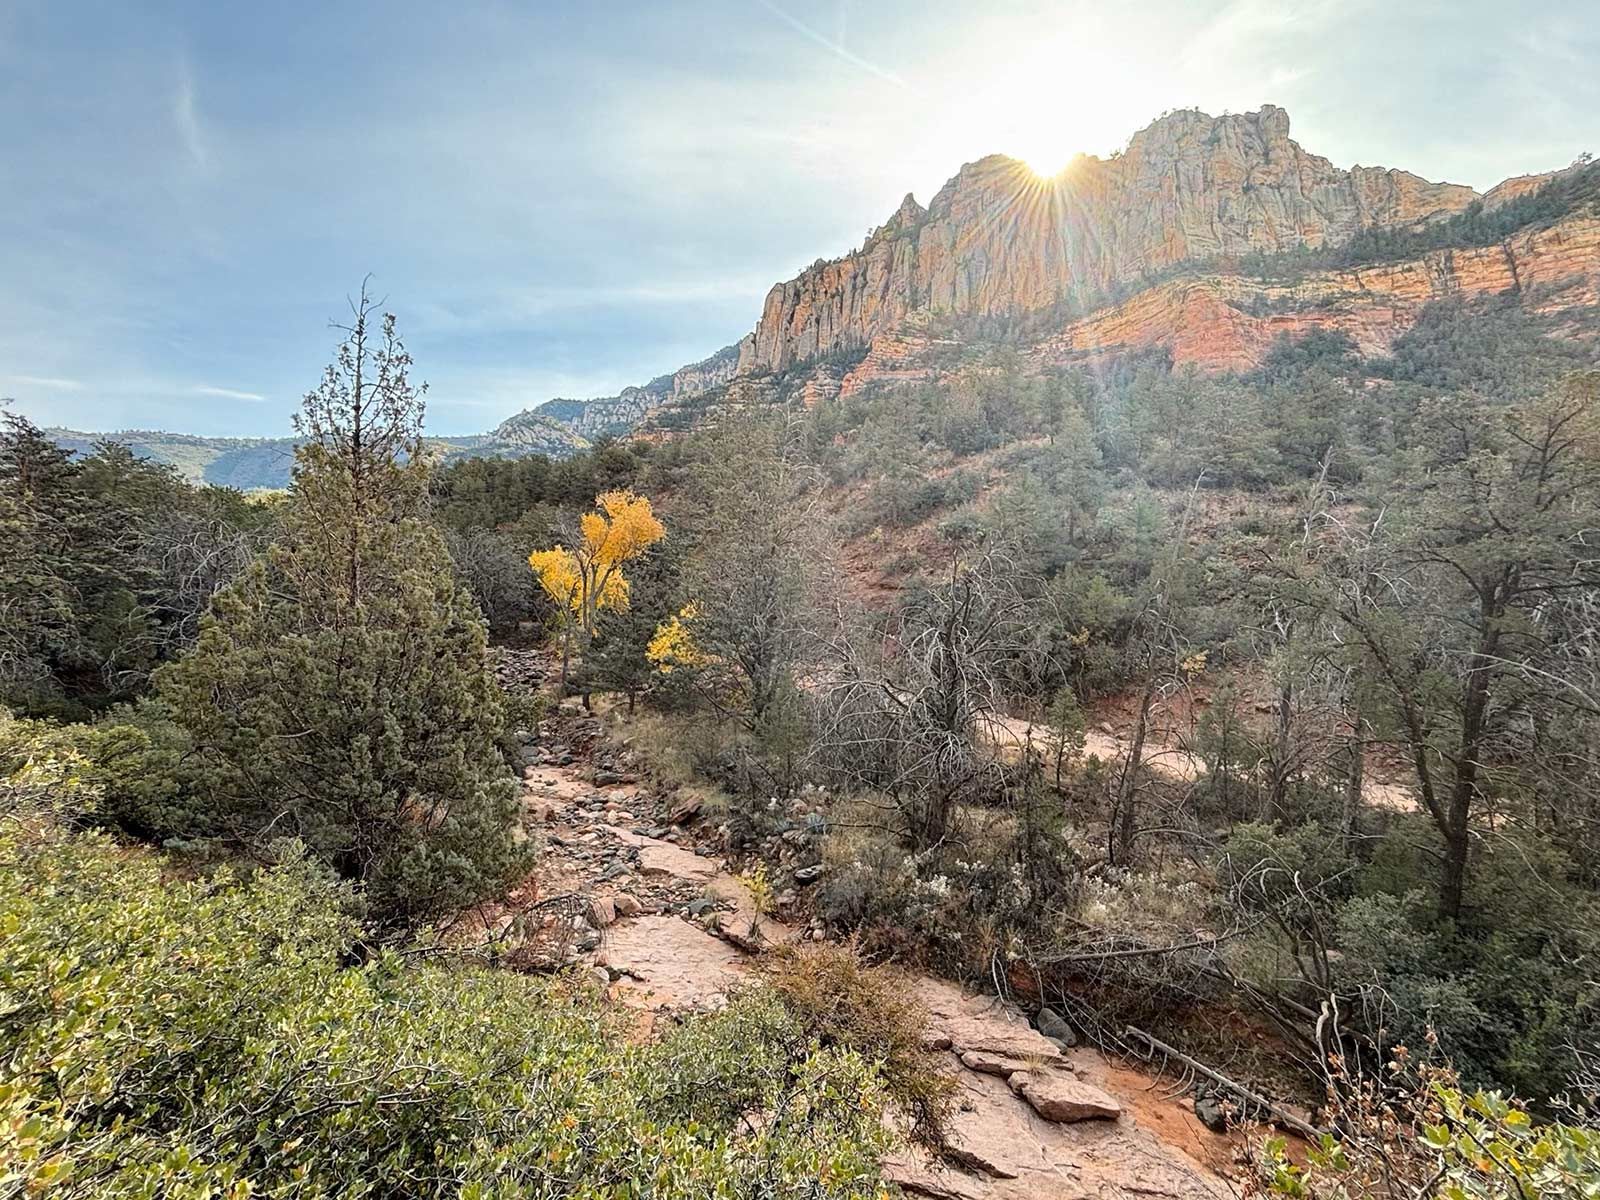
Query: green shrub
pixel 183 1037
pixel 1417 1133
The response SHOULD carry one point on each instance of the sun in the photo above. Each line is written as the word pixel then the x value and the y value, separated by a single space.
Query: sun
pixel 1048 160
pixel 1044 143
pixel 1046 167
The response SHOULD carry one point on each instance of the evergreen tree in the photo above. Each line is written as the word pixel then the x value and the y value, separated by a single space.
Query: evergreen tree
pixel 339 690
pixel 41 513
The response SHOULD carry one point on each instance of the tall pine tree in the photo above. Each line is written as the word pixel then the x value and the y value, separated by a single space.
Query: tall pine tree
pixel 339 690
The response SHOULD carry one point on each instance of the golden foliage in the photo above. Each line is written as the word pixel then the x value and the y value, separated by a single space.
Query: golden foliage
pixel 588 578
pixel 557 570
pixel 673 645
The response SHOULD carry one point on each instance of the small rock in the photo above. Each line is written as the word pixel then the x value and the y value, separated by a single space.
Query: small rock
pixel 685 811
pixel 1208 1108
pixel 985 1062
pixel 601 977
pixel 625 905
pixel 700 907
pixel 808 875
pixel 602 912
pixel 1054 1026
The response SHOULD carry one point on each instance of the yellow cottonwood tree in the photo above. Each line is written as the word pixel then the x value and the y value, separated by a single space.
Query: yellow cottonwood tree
pixel 673 645
pixel 588 578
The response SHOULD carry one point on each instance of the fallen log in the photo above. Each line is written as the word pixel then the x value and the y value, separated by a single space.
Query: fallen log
pixel 1277 1112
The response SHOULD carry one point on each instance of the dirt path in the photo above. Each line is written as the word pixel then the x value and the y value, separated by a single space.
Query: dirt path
pixel 1033 1121
pixel 1174 762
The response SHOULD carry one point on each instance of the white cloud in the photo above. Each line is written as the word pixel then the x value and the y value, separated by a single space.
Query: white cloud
pixel 54 382
pixel 223 393
pixel 186 116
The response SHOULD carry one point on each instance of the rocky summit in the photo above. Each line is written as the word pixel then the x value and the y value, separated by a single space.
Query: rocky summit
pixel 1207 236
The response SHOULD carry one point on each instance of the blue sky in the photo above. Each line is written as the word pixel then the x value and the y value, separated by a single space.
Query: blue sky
pixel 563 198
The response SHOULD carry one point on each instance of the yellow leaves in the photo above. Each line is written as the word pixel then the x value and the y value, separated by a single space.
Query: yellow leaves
pixel 628 527
pixel 589 578
pixel 1193 664
pixel 557 570
pixel 673 644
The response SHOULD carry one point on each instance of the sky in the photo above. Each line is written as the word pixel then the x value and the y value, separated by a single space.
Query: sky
pixel 562 198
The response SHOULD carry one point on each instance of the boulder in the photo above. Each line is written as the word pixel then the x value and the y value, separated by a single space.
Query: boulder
pixel 1062 1097
pixel 602 912
pixel 987 1062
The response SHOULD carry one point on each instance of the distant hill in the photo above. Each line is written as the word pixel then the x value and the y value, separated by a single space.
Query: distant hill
pixel 243 463
pixel 255 463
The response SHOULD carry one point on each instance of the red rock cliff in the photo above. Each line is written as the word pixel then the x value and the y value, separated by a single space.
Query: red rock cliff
pixel 999 239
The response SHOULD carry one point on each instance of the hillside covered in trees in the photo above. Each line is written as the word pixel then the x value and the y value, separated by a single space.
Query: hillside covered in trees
pixel 1247 714
pixel 1088 651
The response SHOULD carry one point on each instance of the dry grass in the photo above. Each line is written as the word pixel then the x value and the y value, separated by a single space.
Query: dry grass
pixel 841 1001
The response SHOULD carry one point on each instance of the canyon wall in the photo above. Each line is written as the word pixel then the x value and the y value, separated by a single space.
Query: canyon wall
pixel 998 239
pixel 1152 244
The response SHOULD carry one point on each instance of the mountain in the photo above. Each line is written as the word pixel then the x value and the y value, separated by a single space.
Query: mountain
pixel 998 239
pixel 244 463
pixel 1208 237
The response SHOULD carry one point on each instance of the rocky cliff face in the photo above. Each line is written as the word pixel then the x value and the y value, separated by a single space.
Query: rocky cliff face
pixel 1228 322
pixel 998 239
pixel 585 420
pixel 1138 250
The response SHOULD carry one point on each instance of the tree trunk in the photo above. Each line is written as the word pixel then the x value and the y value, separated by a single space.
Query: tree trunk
pixel 1456 826
pixel 1277 793
pixel 1125 823
pixel 566 659
pixel 1354 780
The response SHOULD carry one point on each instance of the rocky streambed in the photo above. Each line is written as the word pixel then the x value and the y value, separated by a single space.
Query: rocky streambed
pixel 661 922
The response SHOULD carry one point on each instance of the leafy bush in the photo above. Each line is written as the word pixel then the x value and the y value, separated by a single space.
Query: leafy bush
pixel 841 1002
pixel 1418 1134
pixel 205 1037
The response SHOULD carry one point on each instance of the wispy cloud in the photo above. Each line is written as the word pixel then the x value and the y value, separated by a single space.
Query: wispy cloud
pixel 223 393
pixel 186 117
pixel 829 44
pixel 53 382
